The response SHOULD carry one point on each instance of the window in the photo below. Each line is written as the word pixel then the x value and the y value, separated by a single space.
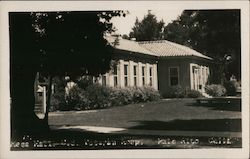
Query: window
pixel 135 75
pixel 143 75
pixel 174 76
pixel 125 75
pixel 150 76
pixel 115 76
pixel 104 80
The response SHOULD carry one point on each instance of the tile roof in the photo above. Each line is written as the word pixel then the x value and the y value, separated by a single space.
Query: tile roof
pixel 164 48
pixel 160 48
pixel 129 45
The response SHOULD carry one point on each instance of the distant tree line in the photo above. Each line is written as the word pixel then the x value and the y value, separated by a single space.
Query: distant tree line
pixel 215 33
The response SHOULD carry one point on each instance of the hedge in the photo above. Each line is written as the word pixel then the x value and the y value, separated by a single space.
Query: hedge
pixel 96 96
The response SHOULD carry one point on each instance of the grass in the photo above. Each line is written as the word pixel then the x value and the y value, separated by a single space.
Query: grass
pixel 176 115
pixel 163 113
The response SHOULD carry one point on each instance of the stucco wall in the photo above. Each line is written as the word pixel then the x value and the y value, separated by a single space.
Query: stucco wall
pixel 183 63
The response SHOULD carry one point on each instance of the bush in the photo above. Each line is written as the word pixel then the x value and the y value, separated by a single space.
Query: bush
pixel 231 87
pixel 215 90
pixel 96 96
pixel 99 96
pixel 72 98
pixel 193 94
pixel 175 92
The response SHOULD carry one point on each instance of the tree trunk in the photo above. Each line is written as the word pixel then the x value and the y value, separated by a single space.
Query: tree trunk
pixel 46 117
pixel 23 117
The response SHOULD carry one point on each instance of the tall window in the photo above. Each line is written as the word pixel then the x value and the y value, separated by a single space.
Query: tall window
pixel 150 76
pixel 125 75
pixel 104 80
pixel 174 76
pixel 115 76
pixel 143 75
pixel 135 75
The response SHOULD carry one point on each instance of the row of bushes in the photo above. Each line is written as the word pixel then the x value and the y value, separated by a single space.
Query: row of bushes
pixel 179 92
pixel 229 88
pixel 96 96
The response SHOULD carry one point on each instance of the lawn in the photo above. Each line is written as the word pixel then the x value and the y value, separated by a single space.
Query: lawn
pixel 173 114
pixel 174 123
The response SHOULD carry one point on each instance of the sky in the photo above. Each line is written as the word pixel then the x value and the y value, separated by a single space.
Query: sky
pixel 124 24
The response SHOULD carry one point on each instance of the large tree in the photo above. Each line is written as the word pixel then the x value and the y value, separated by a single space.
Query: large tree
pixel 147 29
pixel 53 44
pixel 215 33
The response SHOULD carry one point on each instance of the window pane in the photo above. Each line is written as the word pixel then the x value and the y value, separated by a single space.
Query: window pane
pixel 135 70
pixel 150 81
pixel 125 69
pixel 150 71
pixel 115 81
pixel 173 72
pixel 135 81
pixel 143 81
pixel 143 70
pixel 115 70
pixel 126 81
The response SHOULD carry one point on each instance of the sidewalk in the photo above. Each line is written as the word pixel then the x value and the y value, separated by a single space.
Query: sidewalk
pixel 125 131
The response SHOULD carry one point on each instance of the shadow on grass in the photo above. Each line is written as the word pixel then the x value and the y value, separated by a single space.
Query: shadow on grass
pixel 231 125
pixel 224 106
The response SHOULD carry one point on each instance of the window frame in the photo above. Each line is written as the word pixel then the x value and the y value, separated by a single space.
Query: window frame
pixel 115 76
pixel 150 76
pixel 127 75
pixel 143 75
pixel 135 75
pixel 178 75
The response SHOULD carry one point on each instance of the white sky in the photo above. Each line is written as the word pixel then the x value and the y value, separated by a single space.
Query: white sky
pixel 124 24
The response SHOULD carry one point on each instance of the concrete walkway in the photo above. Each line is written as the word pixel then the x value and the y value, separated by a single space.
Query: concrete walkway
pixel 125 131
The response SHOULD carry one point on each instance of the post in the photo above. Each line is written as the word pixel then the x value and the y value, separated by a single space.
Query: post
pixel 44 99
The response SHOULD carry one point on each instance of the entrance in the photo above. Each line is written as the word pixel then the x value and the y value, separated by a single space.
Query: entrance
pixel 196 81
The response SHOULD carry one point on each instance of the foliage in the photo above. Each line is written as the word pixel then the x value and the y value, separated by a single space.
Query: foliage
pixel 201 29
pixel 215 90
pixel 175 92
pixel 231 87
pixel 53 44
pixel 147 29
pixel 58 97
pixel 96 96
pixel 193 94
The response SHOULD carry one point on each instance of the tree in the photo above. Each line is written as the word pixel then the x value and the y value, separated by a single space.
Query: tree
pixel 215 33
pixel 147 29
pixel 53 44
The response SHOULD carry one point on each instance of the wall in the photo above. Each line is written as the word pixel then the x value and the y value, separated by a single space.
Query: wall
pixel 132 59
pixel 183 63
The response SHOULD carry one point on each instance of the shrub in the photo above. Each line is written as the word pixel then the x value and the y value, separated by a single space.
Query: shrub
pixel 99 96
pixel 231 87
pixel 96 96
pixel 215 90
pixel 175 92
pixel 57 100
pixel 193 94
pixel 72 98
pixel 150 94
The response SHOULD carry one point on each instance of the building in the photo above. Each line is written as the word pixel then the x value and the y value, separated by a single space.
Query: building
pixel 158 64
